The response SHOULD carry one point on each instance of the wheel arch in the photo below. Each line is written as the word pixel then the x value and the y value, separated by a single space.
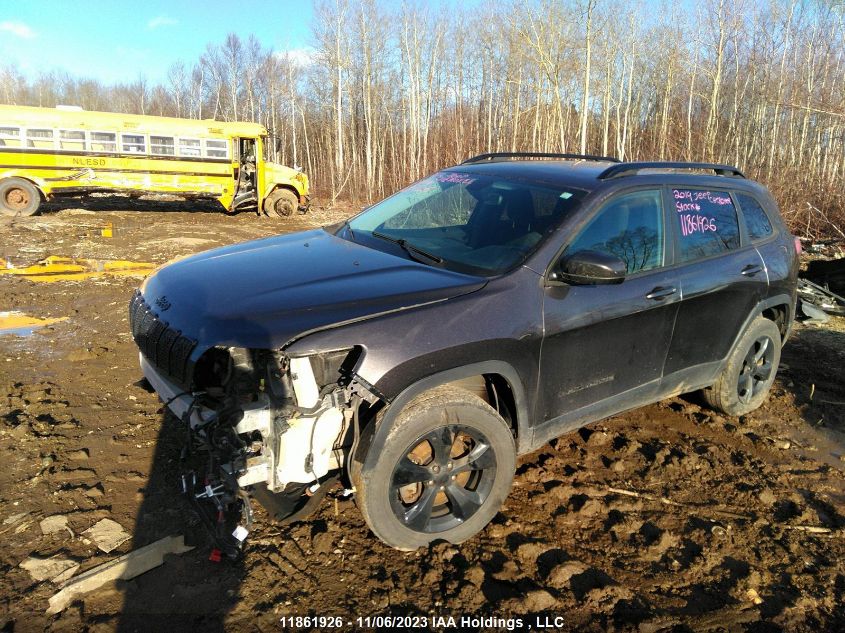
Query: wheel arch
pixel 496 373
pixel 779 308
pixel 284 185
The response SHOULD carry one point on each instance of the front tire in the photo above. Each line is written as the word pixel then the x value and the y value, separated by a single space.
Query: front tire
pixel 18 197
pixel 281 203
pixel 444 470
pixel 744 383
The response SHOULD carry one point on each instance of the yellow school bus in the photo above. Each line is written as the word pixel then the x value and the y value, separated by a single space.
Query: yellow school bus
pixel 50 152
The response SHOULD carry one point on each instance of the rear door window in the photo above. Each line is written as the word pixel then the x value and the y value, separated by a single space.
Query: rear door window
pixel 629 227
pixel 756 220
pixel 706 222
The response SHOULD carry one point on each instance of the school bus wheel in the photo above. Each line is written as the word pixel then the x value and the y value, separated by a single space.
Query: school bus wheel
pixel 18 197
pixel 281 203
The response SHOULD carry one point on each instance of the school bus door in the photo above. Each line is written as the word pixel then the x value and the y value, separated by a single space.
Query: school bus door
pixel 260 173
pixel 246 172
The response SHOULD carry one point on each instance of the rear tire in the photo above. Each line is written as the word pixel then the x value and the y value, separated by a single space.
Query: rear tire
pixel 19 197
pixel 281 203
pixel 744 383
pixel 444 470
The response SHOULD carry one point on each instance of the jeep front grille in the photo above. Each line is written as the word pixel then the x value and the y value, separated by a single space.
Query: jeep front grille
pixel 163 346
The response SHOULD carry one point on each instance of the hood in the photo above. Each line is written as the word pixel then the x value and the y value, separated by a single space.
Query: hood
pixel 262 294
pixel 274 174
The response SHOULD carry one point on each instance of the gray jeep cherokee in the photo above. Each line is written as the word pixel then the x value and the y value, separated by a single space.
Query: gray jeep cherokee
pixel 413 351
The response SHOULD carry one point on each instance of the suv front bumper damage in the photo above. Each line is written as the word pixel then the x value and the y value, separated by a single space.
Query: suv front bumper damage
pixel 282 454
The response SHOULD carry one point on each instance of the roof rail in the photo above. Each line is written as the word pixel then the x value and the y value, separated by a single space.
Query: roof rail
pixel 493 156
pixel 623 169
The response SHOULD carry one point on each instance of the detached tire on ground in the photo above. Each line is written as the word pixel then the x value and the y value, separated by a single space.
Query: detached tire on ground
pixel 281 203
pixel 18 197
pixel 750 371
pixel 444 470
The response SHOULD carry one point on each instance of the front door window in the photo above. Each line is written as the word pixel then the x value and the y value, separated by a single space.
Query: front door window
pixel 629 227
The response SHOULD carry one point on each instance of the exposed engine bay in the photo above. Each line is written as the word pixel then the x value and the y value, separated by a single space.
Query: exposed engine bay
pixel 262 425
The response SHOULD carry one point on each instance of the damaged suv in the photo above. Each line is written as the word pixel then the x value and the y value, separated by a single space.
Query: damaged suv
pixel 413 351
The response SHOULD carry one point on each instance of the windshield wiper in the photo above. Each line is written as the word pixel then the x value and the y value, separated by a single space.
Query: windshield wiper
pixel 409 248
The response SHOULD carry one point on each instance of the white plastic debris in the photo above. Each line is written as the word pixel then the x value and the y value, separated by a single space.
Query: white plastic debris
pixel 240 533
pixel 58 569
pixel 107 534
pixel 125 567
pixel 55 523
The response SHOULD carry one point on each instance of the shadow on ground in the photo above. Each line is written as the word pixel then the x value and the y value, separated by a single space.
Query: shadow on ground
pixel 131 203
pixel 189 592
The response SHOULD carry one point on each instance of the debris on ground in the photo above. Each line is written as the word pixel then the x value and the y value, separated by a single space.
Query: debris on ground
pixel 828 273
pixel 107 535
pixel 126 567
pixel 56 569
pixel 819 297
pixel 55 523
pixel 54 268
pixel 812 313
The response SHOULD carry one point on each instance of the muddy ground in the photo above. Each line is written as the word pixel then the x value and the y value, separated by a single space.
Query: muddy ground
pixel 716 540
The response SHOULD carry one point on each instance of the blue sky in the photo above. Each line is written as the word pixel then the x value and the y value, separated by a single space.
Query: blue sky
pixel 119 39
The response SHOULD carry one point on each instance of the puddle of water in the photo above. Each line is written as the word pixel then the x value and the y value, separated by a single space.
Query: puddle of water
pixel 56 268
pixel 20 324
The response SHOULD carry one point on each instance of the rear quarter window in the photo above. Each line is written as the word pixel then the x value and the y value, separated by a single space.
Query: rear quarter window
pixel 756 221
pixel 707 223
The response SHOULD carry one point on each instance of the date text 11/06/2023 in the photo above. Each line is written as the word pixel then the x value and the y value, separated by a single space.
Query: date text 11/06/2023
pixel 689 204
pixel 436 622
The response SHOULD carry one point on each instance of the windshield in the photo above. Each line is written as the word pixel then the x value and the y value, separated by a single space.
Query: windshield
pixel 465 221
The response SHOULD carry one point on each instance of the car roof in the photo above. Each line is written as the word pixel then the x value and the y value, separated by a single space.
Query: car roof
pixel 587 173
pixel 560 173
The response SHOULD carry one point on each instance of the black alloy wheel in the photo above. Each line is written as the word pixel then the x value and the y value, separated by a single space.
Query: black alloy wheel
pixel 443 479
pixel 756 369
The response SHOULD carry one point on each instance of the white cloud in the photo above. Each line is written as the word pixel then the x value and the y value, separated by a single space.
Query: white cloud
pixel 17 28
pixel 161 20
pixel 297 56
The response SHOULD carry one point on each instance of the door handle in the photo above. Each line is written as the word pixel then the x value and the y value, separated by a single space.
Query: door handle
pixel 660 293
pixel 751 270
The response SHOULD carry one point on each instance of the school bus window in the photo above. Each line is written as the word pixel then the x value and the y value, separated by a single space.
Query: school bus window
pixel 163 145
pixel 189 147
pixel 133 143
pixel 103 142
pixel 72 140
pixel 10 137
pixel 216 149
pixel 39 138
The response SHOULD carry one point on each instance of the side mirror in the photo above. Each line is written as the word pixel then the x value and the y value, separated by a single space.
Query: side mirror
pixel 590 267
